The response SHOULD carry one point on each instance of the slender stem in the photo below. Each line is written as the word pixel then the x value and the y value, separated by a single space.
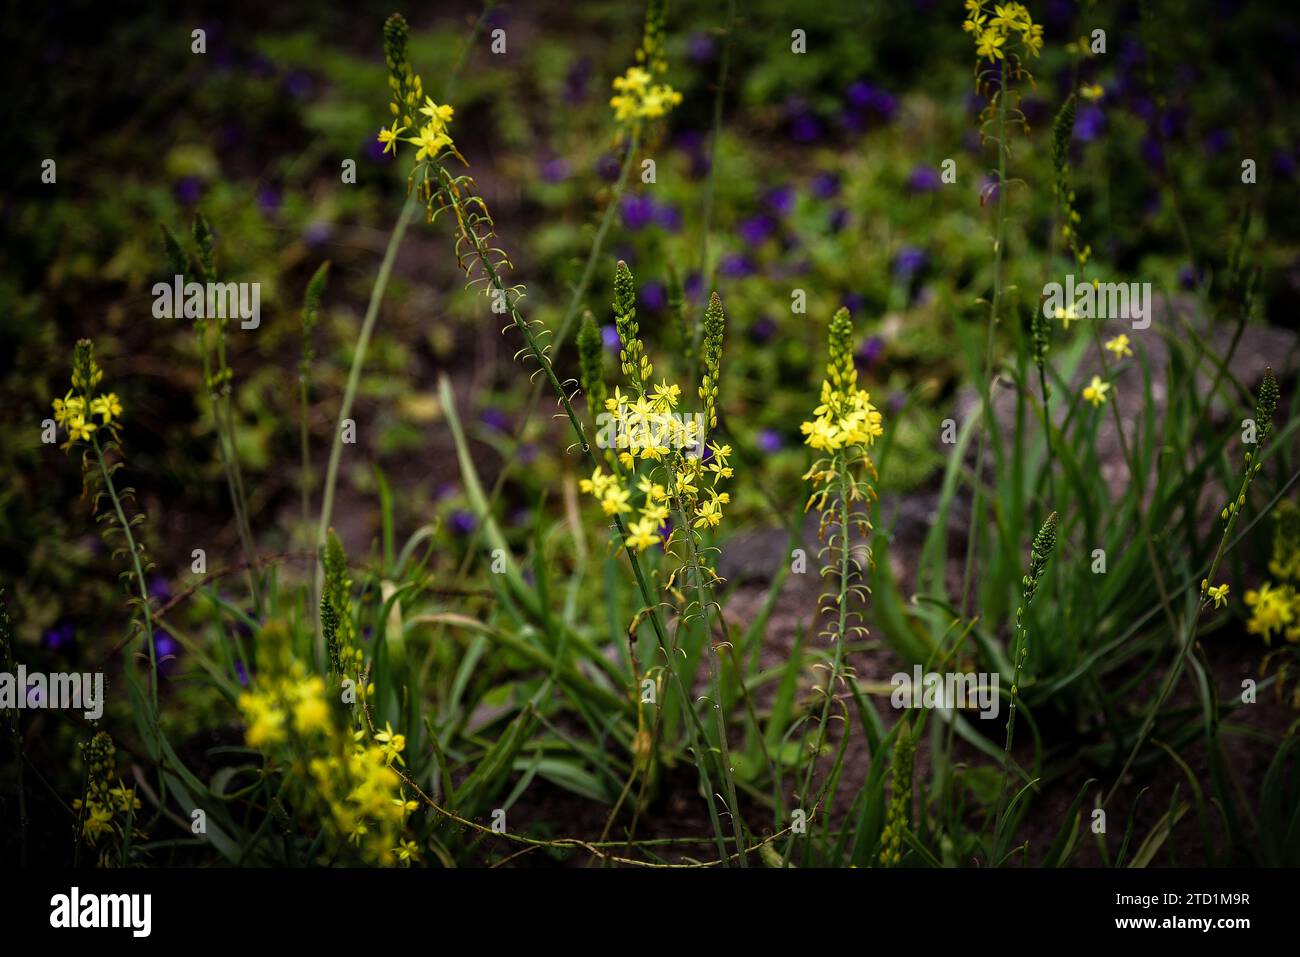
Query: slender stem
pixel 707 223
pixel 995 305
pixel 140 584
pixel 837 660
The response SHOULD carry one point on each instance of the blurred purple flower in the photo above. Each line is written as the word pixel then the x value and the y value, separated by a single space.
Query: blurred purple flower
pixel 494 418
pixel 58 637
pixel 609 337
pixel 653 296
pixel 298 84
pixel 166 650
pixel 780 200
pixel 825 185
pixel 924 179
pixel 1190 278
pixel 736 266
pixel 757 229
pixel 159 589
pixel 908 262
pixel 1216 141
pixel 555 170
pixel 461 521
pixel 769 441
pixel 668 217
pixel 839 219
pixel 1089 124
pixel 268 200
pixel 1284 163
pixel 700 47
pixel 241 673
pixel 762 329
pixel 188 189
pixel 854 302
pixel 575 82
pixel 637 211
pixel 318 233
pixel 870 352
pixel 608 167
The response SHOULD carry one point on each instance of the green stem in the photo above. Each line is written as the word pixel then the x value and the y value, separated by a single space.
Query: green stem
pixel 972 532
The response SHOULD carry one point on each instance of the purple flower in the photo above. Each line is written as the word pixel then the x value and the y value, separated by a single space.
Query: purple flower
pixel 241 673
pixel 318 233
pixel 495 419
pixel 188 189
pixel 462 522
pixel 1284 163
pixel 668 217
pixel 924 179
pixel 870 352
pixel 693 287
pixel 1190 278
pixel 825 185
pixel 804 125
pixel 166 650
pixel 298 84
pixel 609 337
pixel 374 151
pixel 780 200
pixel 1216 141
pixel 1089 124
pixel 757 229
pixel 653 296
pixel 159 589
pixel 637 211
pixel 526 453
pixel 839 219
pixel 907 263
pixel 608 167
pixel 736 266
pixel 268 200
pixel 700 47
pixel 868 100
pixel 59 637
pixel 555 170
pixel 854 302
pixel 763 329
pixel 575 82
pixel 1152 154
pixel 769 441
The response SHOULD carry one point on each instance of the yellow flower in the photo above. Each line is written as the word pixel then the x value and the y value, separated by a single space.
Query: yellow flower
pixel 1092 91
pixel 389 137
pixel 710 514
pixel 430 142
pixel 614 501
pixel 311 714
pixel 106 406
pixel 1219 593
pixel 990 44
pixel 1273 609
pixel 407 851
pixel 1119 346
pixel 1067 314
pixel 391 744
pixel 1095 391
pixel 439 116
pixel 80 429
pixel 643 534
